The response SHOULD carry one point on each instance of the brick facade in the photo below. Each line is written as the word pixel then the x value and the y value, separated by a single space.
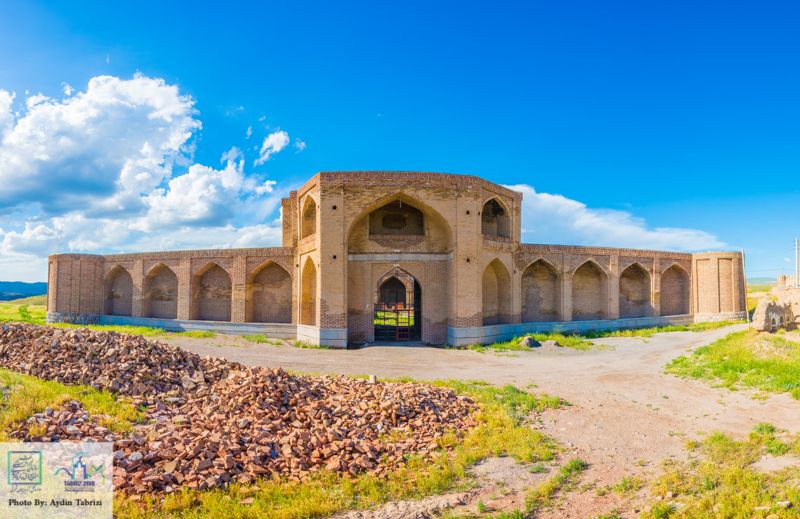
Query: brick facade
pixel 344 233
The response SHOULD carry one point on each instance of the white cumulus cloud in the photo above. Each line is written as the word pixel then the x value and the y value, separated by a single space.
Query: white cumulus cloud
pixel 548 218
pixel 110 169
pixel 118 139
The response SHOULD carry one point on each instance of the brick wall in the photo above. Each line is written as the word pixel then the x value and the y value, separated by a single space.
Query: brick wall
pixel 468 277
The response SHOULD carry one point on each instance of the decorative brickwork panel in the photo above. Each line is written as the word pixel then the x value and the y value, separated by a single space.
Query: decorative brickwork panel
pixel 330 319
pixel 64 287
pixel 727 296
pixel 52 280
pixel 707 287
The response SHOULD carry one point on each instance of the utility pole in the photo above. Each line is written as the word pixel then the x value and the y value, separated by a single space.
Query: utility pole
pixel 795 263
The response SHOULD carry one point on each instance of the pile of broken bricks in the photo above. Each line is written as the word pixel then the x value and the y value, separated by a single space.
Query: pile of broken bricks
pixel 212 422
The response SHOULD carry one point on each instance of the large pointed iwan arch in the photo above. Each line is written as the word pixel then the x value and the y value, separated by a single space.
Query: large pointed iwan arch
pixel 118 292
pixel 589 292
pixel 211 294
pixel 434 227
pixel 160 293
pixel 269 295
pixel 496 294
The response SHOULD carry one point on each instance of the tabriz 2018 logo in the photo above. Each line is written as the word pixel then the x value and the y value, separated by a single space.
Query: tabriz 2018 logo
pixel 24 470
pixel 80 475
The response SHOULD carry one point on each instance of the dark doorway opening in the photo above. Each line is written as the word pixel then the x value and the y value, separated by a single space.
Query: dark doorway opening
pixel 398 311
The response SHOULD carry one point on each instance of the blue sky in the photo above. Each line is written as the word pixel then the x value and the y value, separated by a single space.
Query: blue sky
pixel 671 125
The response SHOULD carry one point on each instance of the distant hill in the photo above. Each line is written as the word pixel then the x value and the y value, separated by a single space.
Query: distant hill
pixel 761 281
pixel 32 300
pixel 10 290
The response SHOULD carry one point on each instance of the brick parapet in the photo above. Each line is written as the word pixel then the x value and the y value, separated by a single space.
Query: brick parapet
pixel 331 179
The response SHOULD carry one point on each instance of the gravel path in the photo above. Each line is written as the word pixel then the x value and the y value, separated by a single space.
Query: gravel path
pixel 626 414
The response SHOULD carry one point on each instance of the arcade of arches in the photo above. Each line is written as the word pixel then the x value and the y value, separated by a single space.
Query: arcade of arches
pixel 382 255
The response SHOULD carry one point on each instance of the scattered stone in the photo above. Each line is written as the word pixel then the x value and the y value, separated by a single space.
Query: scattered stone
pixel 529 342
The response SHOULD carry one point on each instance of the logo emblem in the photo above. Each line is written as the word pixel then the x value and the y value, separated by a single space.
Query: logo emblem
pixel 24 470
pixel 79 477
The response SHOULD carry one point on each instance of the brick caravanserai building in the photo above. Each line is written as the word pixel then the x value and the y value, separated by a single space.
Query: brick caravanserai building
pixel 374 256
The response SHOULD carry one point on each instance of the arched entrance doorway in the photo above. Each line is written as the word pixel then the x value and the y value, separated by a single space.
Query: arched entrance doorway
pixel 398 312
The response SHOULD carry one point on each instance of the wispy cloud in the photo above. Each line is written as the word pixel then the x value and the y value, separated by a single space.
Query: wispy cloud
pixel 273 143
pixel 549 218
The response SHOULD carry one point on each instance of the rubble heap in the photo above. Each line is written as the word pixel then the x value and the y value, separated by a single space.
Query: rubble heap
pixel 126 364
pixel 71 422
pixel 212 422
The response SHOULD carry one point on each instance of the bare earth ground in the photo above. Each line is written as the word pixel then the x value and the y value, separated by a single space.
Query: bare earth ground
pixel 626 414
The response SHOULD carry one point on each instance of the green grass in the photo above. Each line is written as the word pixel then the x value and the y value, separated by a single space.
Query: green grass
pixel 28 395
pixel 542 496
pixel 649 332
pixel 627 485
pixel 760 287
pixel 583 341
pixel 721 482
pixel 22 313
pixel 36 314
pixel 577 342
pixel 389 318
pixel 501 430
pixel 752 303
pixel 747 359
pixel 262 339
pixel 197 334
pixel 144 331
pixel 308 345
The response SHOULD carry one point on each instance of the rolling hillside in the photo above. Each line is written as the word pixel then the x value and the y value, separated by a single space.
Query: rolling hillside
pixel 10 290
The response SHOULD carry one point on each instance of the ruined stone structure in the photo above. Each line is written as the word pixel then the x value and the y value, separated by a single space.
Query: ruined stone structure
pixel 398 256
pixel 780 309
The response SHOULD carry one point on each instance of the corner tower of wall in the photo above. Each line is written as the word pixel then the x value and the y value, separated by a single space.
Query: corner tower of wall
pixel 75 288
pixel 718 288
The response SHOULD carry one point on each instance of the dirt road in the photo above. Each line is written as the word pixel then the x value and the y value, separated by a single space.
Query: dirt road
pixel 626 414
